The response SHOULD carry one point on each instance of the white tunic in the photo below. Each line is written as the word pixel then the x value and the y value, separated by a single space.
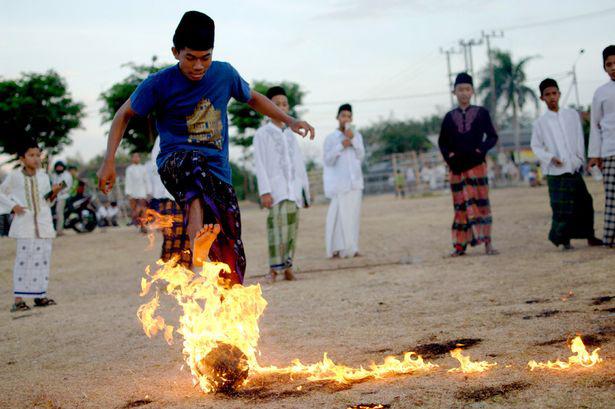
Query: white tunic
pixel 28 192
pixel 155 186
pixel 559 135
pixel 602 135
pixel 280 167
pixel 137 182
pixel 342 166
pixel 65 177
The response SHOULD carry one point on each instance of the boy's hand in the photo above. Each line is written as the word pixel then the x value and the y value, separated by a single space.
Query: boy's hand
pixel 348 133
pixel 267 200
pixel 55 189
pixel 346 143
pixel 106 177
pixel 302 128
pixel 557 162
pixel 595 162
pixel 18 210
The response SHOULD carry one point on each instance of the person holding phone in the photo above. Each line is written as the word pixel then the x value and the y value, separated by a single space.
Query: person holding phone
pixel 61 176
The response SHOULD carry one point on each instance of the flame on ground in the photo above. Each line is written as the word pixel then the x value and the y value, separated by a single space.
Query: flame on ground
pixel 219 326
pixel 580 358
pixel 467 366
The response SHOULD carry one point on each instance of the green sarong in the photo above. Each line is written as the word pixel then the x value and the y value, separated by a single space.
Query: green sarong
pixel 282 225
pixel 573 209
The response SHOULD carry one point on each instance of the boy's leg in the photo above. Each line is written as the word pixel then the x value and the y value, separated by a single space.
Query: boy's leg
pixel 274 239
pixel 609 200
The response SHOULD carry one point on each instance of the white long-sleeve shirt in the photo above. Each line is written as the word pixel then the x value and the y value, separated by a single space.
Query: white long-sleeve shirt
pixel 342 166
pixel 602 135
pixel 559 135
pixel 28 192
pixel 155 186
pixel 137 182
pixel 280 167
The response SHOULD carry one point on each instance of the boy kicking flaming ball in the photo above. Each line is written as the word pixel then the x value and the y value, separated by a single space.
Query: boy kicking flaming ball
pixel 190 101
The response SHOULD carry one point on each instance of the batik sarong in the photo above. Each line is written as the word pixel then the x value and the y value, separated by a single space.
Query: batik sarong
pixel 31 270
pixel 186 176
pixel 175 241
pixel 608 172
pixel 472 221
pixel 573 209
pixel 282 225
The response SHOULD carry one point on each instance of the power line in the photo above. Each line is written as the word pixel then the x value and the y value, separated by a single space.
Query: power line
pixel 391 98
pixel 560 20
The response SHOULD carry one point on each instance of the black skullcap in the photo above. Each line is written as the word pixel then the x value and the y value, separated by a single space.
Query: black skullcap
pixel 463 78
pixel 344 107
pixel 59 163
pixel 274 91
pixel 607 52
pixel 546 83
pixel 196 31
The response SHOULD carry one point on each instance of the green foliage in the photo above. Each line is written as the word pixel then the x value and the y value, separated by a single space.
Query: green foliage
pixel 37 106
pixel 244 183
pixel 244 118
pixel 141 132
pixel 392 136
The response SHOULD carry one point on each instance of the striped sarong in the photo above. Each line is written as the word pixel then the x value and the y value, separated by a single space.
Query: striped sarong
pixel 472 221
pixel 608 172
pixel 573 209
pixel 282 225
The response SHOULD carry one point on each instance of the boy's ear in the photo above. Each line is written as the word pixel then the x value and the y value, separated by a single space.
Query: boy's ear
pixel 175 53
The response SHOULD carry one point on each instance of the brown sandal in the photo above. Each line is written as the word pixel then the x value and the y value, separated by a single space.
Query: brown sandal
pixel 20 306
pixel 43 302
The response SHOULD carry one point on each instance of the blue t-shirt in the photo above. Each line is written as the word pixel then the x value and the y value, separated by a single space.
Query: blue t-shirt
pixel 191 115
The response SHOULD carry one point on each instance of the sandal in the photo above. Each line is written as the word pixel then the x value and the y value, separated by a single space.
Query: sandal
pixel 43 302
pixel 457 253
pixel 20 306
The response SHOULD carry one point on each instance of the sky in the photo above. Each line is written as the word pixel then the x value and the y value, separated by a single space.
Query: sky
pixel 383 57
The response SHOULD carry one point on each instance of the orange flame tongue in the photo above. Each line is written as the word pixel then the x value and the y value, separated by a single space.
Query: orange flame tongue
pixel 467 366
pixel 581 358
pixel 153 220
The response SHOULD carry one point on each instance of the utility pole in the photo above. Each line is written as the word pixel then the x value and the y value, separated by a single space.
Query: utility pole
pixel 575 84
pixel 487 37
pixel 448 53
pixel 466 49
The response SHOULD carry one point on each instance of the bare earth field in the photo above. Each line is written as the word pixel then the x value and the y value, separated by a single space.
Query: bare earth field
pixel 89 351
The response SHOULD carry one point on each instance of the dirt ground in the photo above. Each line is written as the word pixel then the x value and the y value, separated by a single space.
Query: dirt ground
pixel 89 351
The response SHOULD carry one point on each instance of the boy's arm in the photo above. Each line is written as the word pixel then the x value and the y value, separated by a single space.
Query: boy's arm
pixel 263 105
pixel 359 148
pixel 106 173
pixel 538 146
pixel 595 136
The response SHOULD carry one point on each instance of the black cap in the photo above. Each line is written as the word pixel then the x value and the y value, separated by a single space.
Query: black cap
pixel 59 163
pixel 607 52
pixel 274 91
pixel 463 78
pixel 344 107
pixel 196 31
pixel 546 83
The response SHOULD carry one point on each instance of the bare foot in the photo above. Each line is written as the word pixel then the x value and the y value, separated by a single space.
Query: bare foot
pixel 490 251
pixel 202 243
pixel 289 275
pixel 272 276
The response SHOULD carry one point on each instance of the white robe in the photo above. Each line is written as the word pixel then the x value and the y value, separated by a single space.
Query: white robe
pixel 155 186
pixel 28 192
pixel 279 164
pixel 343 184
pixel 137 183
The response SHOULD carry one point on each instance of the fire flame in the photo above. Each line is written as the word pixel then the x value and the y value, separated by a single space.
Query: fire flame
pixel 152 220
pixel 581 357
pixel 214 314
pixel 467 366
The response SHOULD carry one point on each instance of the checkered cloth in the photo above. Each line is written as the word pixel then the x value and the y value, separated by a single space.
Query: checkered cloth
pixel 608 172
pixel 472 222
pixel 573 209
pixel 187 177
pixel 282 225
pixel 175 241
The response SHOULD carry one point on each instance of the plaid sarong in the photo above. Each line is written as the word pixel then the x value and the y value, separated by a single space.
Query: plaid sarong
pixel 186 176
pixel 472 222
pixel 282 225
pixel 608 172
pixel 175 241
pixel 573 208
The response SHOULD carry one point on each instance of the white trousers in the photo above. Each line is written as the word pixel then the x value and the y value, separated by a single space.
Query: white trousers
pixel 343 220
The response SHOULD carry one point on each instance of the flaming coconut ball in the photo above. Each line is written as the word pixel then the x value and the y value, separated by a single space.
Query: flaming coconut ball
pixel 225 367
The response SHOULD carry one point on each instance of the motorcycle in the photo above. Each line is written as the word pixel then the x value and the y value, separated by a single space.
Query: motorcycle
pixel 80 214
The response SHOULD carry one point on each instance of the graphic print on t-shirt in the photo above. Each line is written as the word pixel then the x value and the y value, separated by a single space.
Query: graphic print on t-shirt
pixel 205 125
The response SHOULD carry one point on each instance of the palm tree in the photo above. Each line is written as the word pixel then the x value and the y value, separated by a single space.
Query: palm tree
pixel 510 88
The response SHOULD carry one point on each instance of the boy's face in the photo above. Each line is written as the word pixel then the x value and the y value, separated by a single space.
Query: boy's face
pixel 135 158
pixel 464 93
pixel 281 102
pixel 32 158
pixel 609 66
pixel 344 118
pixel 193 64
pixel 551 97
